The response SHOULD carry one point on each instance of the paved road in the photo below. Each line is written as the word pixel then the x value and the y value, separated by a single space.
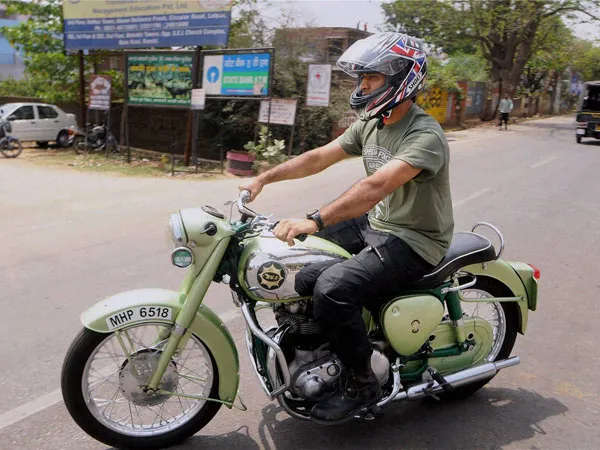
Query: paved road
pixel 69 238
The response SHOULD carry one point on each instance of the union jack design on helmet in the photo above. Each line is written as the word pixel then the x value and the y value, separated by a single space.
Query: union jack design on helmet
pixel 399 57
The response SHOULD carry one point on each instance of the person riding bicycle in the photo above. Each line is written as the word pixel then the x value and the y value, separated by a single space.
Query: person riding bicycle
pixel 398 221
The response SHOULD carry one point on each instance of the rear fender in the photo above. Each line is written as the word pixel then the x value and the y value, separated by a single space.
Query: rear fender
pixel 207 326
pixel 504 273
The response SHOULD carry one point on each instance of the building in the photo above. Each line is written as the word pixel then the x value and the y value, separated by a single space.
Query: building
pixel 11 61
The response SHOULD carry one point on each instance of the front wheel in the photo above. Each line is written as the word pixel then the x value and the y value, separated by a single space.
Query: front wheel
pixel 11 147
pixel 103 376
pixel 502 316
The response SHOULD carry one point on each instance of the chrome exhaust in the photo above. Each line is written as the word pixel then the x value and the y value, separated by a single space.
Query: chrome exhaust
pixel 467 376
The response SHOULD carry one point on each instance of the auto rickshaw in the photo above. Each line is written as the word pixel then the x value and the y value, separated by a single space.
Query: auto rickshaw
pixel 588 118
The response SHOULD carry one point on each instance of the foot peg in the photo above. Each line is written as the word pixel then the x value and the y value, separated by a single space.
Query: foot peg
pixel 429 376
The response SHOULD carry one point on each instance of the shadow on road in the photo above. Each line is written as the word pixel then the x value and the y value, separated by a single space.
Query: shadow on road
pixel 551 125
pixel 494 417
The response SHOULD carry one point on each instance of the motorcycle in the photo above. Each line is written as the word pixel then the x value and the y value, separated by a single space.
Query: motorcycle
pixel 96 138
pixel 10 146
pixel 151 367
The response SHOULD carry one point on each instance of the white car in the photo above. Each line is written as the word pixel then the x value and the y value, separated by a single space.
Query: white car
pixel 38 122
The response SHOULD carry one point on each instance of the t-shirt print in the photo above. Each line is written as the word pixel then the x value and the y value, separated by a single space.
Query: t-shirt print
pixel 375 156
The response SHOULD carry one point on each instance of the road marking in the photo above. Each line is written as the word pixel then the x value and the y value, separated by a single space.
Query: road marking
pixel 453 140
pixel 46 401
pixel 471 197
pixel 543 162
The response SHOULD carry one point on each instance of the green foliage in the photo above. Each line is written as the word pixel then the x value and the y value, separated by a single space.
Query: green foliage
pixel 50 74
pixel 267 149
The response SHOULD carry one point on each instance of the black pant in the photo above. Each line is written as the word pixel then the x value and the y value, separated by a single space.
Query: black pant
pixel 503 118
pixel 382 264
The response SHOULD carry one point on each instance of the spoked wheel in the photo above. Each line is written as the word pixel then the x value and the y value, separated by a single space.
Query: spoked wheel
pixel 103 381
pixel 11 147
pixel 112 144
pixel 502 316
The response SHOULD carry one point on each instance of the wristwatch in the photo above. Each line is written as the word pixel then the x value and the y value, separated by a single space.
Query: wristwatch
pixel 315 216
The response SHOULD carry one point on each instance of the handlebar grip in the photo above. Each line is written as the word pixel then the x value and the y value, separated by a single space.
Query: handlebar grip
pixel 245 196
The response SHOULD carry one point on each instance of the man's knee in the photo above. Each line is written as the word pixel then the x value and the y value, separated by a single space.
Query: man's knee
pixel 332 299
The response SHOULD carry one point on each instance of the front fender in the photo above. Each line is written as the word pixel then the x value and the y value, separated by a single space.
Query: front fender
pixel 503 272
pixel 207 326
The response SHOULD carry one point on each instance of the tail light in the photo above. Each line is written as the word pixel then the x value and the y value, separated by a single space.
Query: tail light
pixel 582 124
pixel 536 272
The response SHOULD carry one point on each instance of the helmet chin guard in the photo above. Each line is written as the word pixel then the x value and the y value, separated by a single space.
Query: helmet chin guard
pixel 400 58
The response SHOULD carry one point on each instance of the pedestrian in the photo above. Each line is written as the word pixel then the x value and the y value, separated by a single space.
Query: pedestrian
pixel 398 221
pixel 506 106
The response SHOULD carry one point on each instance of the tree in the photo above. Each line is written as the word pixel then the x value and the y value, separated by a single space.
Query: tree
pixel 504 30
pixel 50 73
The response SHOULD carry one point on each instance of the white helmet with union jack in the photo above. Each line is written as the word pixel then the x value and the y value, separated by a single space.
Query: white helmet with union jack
pixel 399 57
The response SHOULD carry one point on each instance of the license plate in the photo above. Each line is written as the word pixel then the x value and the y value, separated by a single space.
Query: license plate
pixel 580 131
pixel 139 313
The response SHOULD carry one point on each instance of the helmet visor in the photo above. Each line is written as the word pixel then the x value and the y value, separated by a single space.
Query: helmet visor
pixel 372 55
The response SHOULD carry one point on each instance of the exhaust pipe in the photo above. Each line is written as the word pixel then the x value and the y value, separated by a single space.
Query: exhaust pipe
pixel 467 376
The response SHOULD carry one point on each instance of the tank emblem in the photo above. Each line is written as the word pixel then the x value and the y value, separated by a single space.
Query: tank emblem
pixel 416 326
pixel 271 276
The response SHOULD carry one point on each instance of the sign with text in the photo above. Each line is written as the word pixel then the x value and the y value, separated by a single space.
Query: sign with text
pixel 319 85
pixel 198 99
pixel 100 89
pixel 237 74
pixel 114 24
pixel 159 79
pixel 283 111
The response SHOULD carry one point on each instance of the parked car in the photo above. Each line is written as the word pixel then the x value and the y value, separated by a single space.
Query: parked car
pixel 38 122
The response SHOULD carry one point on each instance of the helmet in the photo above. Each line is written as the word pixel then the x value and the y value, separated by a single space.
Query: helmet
pixel 399 57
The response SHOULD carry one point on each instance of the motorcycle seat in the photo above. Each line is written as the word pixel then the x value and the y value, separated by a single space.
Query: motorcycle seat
pixel 466 248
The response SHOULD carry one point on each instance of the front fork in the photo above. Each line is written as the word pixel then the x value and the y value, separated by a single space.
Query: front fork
pixel 193 301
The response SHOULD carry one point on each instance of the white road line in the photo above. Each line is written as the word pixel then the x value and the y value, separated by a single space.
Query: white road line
pixel 46 401
pixel 543 162
pixel 459 141
pixel 471 197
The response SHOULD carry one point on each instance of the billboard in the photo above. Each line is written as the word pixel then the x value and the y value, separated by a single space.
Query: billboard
pixel 116 24
pixel 161 79
pixel 319 85
pixel 237 74
pixel 100 89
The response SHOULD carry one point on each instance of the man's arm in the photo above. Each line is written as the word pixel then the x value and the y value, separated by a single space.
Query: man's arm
pixel 356 201
pixel 366 193
pixel 307 164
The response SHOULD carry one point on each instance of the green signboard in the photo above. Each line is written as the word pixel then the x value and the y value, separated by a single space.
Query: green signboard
pixel 162 79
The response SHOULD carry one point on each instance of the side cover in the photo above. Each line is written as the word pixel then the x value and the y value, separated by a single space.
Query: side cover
pixel 207 326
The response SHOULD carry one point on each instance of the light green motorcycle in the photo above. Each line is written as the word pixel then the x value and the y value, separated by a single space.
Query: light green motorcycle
pixel 151 367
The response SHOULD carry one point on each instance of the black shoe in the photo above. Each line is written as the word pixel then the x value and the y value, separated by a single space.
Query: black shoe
pixel 361 390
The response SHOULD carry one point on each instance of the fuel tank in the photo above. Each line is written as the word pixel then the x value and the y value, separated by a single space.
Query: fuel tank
pixel 268 267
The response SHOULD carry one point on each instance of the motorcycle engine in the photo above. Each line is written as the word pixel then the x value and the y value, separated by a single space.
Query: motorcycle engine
pixel 314 369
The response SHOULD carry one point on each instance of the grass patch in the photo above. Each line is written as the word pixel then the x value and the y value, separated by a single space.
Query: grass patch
pixel 142 164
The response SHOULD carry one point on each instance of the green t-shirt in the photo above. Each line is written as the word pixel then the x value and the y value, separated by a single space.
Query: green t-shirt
pixel 420 211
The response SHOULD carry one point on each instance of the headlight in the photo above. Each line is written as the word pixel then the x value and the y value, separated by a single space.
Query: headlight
pixel 177 233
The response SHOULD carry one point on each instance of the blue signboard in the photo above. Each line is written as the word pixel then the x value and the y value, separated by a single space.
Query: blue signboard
pixel 110 24
pixel 237 74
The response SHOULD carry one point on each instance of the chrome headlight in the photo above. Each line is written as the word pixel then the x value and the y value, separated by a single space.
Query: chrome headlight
pixel 177 231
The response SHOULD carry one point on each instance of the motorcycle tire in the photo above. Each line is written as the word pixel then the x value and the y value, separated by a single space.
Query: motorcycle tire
pixel 11 147
pixel 494 289
pixel 578 139
pixel 73 370
pixel 79 145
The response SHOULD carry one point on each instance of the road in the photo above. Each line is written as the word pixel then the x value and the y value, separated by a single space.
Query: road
pixel 69 238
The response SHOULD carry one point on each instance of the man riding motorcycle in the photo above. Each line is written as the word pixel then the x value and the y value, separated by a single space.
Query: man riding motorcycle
pixel 406 194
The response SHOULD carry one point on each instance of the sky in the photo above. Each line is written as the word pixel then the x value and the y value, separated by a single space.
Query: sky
pixel 347 13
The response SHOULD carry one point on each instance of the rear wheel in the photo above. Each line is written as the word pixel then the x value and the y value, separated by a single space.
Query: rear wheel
pixel 79 145
pixel 62 140
pixel 11 147
pixel 578 138
pixel 102 384
pixel 502 316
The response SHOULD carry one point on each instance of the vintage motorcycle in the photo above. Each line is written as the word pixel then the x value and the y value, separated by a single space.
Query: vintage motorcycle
pixel 151 367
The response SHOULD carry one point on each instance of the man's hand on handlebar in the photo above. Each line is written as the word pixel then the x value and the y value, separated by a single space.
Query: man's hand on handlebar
pixel 254 187
pixel 287 229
